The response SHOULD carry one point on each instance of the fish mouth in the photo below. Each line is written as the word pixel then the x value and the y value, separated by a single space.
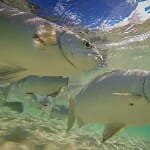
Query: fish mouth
pixel 37 39
pixel 63 53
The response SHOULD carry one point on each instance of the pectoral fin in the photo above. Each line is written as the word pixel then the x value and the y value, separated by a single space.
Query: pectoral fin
pixel 122 94
pixel 71 114
pixel 111 129
pixel 126 94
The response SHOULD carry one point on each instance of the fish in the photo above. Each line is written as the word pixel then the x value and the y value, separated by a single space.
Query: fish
pixel 41 48
pixel 41 89
pixel 118 99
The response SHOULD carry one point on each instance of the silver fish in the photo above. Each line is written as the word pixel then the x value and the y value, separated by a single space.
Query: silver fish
pixel 44 86
pixel 33 46
pixel 117 99
pixel 41 90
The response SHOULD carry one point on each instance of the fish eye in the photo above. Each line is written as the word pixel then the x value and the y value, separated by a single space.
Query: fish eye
pixel 37 38
pixel 87 44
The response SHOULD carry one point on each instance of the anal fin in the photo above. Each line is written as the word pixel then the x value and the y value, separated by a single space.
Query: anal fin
pixel 111 129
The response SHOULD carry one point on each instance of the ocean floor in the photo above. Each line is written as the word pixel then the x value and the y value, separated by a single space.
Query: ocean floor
pixel 24 131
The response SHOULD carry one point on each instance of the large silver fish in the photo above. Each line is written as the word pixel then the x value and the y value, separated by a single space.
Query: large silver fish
pixel 117 99
pixel 32 46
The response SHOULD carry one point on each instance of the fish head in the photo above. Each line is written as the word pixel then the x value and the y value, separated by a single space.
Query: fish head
pixel 43 99
pixel 46 101
pixel 76 51
pixel 79 52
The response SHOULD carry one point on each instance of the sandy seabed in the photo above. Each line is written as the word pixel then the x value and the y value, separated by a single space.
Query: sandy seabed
pixel 36 130
pixel 27 132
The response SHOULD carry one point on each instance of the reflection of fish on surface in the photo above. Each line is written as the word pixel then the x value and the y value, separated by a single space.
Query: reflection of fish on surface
pixel 117 99
pixel 56 51
pixel 40 89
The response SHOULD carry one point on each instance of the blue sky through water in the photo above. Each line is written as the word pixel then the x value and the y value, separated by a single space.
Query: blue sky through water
pixel 89 13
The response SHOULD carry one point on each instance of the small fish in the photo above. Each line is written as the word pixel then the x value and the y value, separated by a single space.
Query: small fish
pixel 117 99
pixel 34 46
pixel 40 89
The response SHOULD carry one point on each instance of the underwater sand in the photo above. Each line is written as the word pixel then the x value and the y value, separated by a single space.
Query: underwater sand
pixel 38 131
pixel 23 133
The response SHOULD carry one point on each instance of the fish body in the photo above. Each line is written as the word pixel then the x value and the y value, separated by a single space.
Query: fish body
pixel 41 90
pixel 117 99
pixel 42 86
pixel 34 46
